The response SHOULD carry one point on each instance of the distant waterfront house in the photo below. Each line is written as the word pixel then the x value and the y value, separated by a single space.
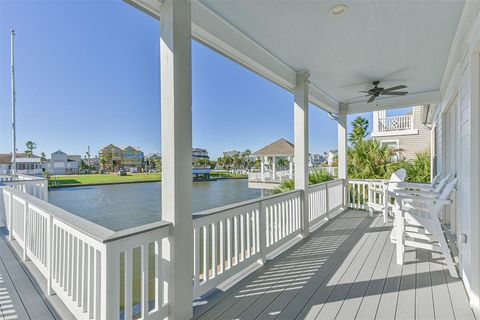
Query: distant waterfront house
pixel 128 157
pixel 25 164
pixel 62 163
pixel 405 133
pixel 199 153
pixel 231 153
pixel 332 156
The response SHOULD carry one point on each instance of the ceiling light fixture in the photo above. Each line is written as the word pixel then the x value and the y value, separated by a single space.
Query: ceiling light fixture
pixel 338 10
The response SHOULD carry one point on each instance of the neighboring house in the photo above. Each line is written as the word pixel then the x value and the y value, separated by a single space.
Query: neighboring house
pixel 405 133
pixel 25 164
pixel 332 157
pixel 126 158
pixel 317 159
pixel 231 153
pixel 62 163
pixel 198 153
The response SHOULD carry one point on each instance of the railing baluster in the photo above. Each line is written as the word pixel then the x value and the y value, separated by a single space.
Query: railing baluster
pixel 221 226
pixel 128 271
pixel 159 275
pixel 242 237
pixel 214 249
pixel 206 252
pixel 196 257
pixel 229 242
pixel 144 268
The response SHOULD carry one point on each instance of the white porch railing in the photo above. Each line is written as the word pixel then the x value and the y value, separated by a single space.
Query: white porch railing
pixel 35 186
pixel 94 270
pixel 229 239
pixel 84 262
pixel 396 123
pixel 269 176
pixel 359 195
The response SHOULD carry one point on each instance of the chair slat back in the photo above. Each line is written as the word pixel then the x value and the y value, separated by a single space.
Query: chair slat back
pixel 442 183
pixel 398 176
pixel 436 179
pixel 446 193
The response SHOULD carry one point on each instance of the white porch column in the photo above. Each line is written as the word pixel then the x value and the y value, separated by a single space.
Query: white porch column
pixel 300 116
pixel 176 120
pixel 375 121
pixel 290 167
pixel 262 168
pixel 342 153
pixel 342 145
pixel 274 167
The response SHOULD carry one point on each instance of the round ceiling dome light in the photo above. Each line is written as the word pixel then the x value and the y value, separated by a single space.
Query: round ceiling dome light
pixel 338 10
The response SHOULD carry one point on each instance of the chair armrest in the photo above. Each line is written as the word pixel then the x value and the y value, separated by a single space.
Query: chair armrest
pixel 424 199
pixel 419 186
pixel 416 193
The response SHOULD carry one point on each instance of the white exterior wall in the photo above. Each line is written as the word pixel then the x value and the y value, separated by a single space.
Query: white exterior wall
pixel 461 91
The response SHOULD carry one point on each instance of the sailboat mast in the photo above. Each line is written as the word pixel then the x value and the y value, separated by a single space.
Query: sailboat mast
pixel 13 171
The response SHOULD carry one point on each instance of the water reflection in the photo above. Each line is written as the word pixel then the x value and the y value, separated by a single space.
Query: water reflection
pixel 128 205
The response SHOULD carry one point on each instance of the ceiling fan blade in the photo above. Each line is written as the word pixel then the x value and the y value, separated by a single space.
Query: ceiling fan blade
pixel 364 91
pixel 371 99
pixel 355 98
pixel 395 88
pixel 398 93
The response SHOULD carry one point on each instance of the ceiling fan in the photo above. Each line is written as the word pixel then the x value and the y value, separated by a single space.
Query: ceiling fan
pixel 377 91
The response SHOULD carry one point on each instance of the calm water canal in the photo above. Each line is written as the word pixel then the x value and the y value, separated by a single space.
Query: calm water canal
pixel 124 206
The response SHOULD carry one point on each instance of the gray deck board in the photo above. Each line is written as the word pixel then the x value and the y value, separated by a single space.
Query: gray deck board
pixel 345 270
pixel 26 302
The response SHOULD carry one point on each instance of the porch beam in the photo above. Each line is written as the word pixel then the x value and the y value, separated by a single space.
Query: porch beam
pixel 300 116
pixel 176 121
pixel 414 99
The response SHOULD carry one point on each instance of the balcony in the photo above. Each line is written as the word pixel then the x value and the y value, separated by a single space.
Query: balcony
pixel 393 126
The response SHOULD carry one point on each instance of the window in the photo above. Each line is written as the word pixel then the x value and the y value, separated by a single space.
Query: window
pixel 395 144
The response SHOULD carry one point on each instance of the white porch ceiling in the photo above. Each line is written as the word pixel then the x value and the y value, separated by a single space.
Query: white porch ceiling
pixel 396 42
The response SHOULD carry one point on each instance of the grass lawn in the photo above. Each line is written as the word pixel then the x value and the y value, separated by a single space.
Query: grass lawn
pixel 76 180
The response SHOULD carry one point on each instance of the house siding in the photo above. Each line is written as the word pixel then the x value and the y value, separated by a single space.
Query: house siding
pixel 412 144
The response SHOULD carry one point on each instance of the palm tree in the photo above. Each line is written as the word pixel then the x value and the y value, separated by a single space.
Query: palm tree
pixel 30 147
pixel 359 131
pixel 43 156
pixel 103 162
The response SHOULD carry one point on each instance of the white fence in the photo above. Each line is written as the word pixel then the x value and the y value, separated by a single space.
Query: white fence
pixel 360 195
pixel 229 239
pixel 90 268
pixel 395 123
pixel 35 186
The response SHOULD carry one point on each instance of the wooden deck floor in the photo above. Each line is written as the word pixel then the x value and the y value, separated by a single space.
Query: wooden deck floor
pixel 21 297
pixel 344 270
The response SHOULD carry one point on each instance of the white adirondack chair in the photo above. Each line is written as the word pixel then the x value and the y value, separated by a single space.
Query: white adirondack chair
pixel 436 186
pixel 417 223
pixel 383 193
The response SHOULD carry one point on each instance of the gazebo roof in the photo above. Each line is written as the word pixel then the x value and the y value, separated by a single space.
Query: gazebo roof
pixel 279 148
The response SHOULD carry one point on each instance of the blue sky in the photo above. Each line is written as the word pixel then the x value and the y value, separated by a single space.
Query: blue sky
pixel 88 74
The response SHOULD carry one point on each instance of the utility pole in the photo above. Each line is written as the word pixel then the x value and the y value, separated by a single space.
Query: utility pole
pixel 13 171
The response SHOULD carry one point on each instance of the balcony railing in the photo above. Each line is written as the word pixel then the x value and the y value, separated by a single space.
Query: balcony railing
pixel 281 175
pixel 94 270
pixel 397 123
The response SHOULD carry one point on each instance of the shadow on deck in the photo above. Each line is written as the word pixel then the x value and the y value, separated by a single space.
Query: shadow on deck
pixel 344 270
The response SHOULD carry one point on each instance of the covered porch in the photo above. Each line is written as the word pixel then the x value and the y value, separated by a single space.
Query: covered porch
pixel 326 54
pixel 345 270
pixel 302 253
